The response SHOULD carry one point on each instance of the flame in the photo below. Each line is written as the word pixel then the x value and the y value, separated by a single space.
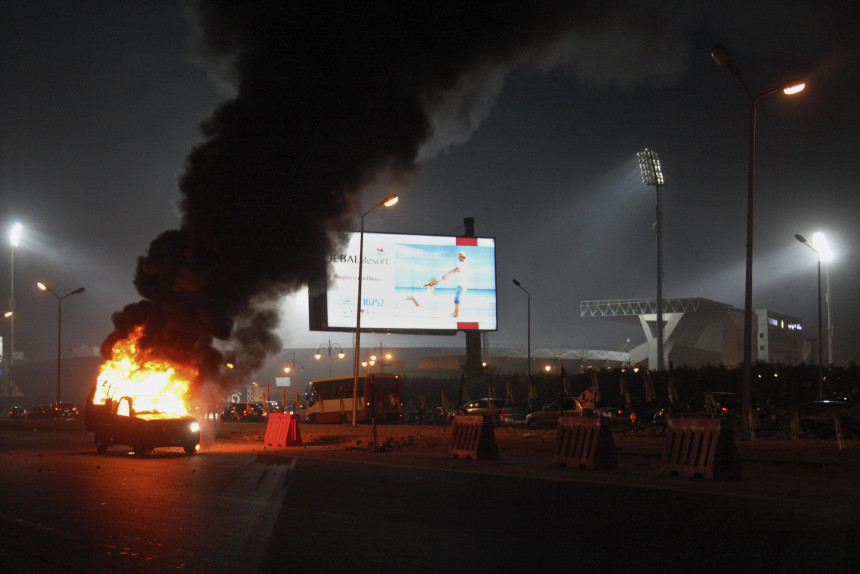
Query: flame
pixel 156 388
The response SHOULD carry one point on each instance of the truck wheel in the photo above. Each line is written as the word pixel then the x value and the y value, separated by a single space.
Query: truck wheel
pixel 102 443
pixel 190 448
pixel 141 450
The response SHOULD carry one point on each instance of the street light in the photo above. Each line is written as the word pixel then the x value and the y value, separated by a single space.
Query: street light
pixel 387 202
pixel 14 241
pixel 529 326
pixel 652 174
pixel 721 57
pixel 819 241
pixel 329 346
pixel 802 239
pixel 44 287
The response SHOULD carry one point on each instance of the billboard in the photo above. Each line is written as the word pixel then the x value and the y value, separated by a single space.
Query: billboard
pixel 411 284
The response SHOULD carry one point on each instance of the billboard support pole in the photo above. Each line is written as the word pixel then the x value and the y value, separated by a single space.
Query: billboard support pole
pixel 473 366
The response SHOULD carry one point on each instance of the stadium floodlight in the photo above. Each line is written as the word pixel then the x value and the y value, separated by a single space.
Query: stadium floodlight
pixel 819 241
pixel 803 240
pixel 652 174
pixel 649 165
pixel 14 241
pixel 721 56
pixel 822 247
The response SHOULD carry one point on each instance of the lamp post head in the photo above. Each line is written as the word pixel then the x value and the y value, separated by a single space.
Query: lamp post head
pixel 721 56
pixel 800 238
pixel 42 286
pixel 390 200
pixel 517 283
pixel 792 88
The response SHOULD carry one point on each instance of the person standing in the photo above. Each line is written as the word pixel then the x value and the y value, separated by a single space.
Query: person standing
pixel 586 399
pixel 422 406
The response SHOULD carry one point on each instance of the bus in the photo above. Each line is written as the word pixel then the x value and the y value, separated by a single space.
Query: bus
pixel 330 400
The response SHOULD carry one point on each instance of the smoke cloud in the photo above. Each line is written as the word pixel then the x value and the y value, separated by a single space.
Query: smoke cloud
pixel 325 100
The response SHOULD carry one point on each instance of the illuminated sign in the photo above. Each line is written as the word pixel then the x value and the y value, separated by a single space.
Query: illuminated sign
pixel 410 283
pixel 791 325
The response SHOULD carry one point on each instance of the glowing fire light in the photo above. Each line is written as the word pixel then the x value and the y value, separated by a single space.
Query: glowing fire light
pixel 157 389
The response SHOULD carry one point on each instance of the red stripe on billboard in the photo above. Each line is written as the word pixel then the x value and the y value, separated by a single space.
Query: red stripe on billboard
pixel 464 326
pixel 473 241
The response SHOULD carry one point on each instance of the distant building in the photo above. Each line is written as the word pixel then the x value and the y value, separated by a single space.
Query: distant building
pixel 699 331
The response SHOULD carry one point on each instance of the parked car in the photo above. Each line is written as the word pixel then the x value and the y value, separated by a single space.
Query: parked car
pixel 244 413
pixel 656 415
pixel 547 417
pixel 40 412
pixel 64 410
pixel 433 415
pixel 502 413
pixel 116 421
pixel 712 403
pixel 16 412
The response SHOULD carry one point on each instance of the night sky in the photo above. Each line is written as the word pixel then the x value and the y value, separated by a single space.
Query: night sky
pixel 223 141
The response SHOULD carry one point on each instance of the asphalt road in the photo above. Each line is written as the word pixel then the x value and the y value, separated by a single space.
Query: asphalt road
pixel 239 507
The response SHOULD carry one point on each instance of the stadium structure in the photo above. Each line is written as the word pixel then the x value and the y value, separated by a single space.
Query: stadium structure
pixel 699 331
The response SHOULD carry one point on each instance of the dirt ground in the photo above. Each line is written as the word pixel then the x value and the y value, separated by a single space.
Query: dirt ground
pixel 516 443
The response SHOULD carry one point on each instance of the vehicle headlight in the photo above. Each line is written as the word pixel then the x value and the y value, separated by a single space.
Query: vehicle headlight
pixel 194 427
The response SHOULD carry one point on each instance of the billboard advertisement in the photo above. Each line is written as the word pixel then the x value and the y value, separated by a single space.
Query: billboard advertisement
pixel 411 283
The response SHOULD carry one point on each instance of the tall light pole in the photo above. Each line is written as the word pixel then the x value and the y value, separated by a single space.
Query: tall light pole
pixel 721 56
pixel 14 241
pixel 819 241
pixel 387 202
pixel 329 346
pixel 44 287
pixel 529 326
pixel 652 174
pixel 802 239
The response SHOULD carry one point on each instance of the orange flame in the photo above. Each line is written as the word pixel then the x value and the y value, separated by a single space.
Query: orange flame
pixel 155 387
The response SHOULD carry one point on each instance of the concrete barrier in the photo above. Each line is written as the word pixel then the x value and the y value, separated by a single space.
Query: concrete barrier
pixel 282 430
pixel 472 436
pixel 585 441
pixel 700 446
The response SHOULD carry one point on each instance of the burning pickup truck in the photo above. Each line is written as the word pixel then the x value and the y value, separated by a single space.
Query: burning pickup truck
pixel 142 422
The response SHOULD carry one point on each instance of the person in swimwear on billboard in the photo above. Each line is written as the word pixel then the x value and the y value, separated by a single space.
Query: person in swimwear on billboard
pixel 423 298
pixel 462 271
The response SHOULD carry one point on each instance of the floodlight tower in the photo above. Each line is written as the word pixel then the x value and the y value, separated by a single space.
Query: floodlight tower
pixel 803 240
pixel 14 241
pixel 652 174
pixel 819 242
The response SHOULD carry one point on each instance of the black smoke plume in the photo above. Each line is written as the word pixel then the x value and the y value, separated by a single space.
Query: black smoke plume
pixel 328 97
